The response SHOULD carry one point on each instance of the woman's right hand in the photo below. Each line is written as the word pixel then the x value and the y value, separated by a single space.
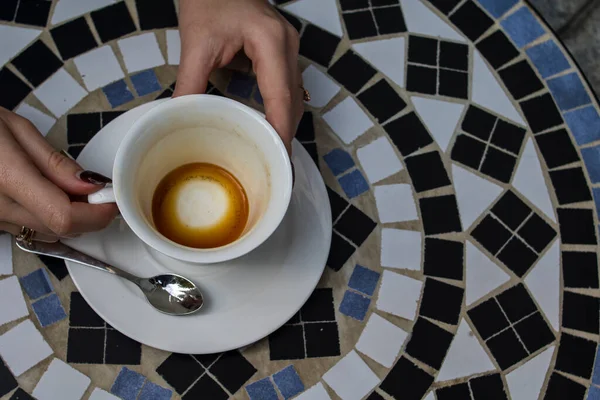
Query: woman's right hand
pixel 37 184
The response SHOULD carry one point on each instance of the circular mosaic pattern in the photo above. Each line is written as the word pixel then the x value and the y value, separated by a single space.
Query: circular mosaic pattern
pixel 458 142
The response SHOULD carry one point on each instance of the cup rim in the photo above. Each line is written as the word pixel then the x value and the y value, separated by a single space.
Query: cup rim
pixel 264 228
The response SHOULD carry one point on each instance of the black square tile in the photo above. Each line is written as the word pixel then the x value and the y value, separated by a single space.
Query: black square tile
pixel 488 387
pixel 180 371
pixel 580 269
pixel 382 3
pixel 498 165
pixel 534 332
pixel 81 314
pixel 322 339
pixel 429 343
pixel 488 318
pixel 517 256
pixel 454 84
pixel 427 171
pixel 459 391
pixel 537 233
pixel 33 12
pixel 576 226
pixel 156 14
pixel 355 225
pixel 382 101
pixel 85 346
pixel 232 370
pixel 75 150
pixel 341 250
pixel 580 312
pixel 8 8
pixel 166 94
pixel 454 55
pixel 337 202
pixel 354 4
pixel 319 306
pixel 122 350
pixel 506 349
pixel 113 22
pixel 508 136
pixel 422 50
pixel 441 301
pixel 421 79
pixel 406 381
pixel 206 359
pixel 497 49
pixel 375 396
pixel 389 20
pixel 443 258
pixel 541 113
pixel 511 210
pixel 516 302
pixel 570 186
pixel 575 356
pixel 351 71
pixel 479 123
pixel 81 128
pixel 408 133
pixel 440 214
pixel 471 20
pixel 20 394
pixel 295 22
pixel 206 388
pixel 557 148
pixel 73 38
pixel 109 116
pixel 445 6
pixel 520 79
pixel 56 266
pixel 7 380
pixel 468 151
pixel 561 388
pixel 491 234
pixel 360 24
pixel 287 343
pixel 306 128
pixel 37 63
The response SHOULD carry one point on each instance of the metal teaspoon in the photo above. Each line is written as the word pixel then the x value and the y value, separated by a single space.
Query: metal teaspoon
pixel 168 293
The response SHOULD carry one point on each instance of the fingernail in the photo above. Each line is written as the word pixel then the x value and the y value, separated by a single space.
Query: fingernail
pixel 93 177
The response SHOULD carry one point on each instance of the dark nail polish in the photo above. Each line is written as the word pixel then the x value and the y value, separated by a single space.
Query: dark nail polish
pixel 93 177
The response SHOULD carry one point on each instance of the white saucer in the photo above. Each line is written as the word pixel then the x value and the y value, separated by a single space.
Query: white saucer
pixel 245 299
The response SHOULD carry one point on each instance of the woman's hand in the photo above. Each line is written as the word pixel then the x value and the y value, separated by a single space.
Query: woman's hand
pixel 213 32
pixel 36 181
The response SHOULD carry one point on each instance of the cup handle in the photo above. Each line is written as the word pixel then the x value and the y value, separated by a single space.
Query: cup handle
pixel 102 196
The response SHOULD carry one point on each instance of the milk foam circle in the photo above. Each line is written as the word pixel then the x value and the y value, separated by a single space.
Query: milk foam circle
pixel 200 203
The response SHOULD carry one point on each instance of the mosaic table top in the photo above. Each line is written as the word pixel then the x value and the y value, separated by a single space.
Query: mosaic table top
pixel 459 144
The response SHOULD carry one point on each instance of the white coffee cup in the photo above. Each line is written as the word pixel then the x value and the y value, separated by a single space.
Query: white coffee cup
pixel 210 129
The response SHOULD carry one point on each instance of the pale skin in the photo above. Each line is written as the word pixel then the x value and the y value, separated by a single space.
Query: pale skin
pixel 43 190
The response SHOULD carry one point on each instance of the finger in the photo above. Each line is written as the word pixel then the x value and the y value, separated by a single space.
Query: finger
pixel 91 217
pixel 198 59
pixel 15 214
pixel 15 230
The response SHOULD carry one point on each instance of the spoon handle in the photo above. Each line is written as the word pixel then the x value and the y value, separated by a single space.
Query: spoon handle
pixel 61 250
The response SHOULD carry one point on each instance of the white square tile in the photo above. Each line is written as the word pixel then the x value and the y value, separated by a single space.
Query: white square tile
pixel 61 382
pixel 43 122
pixel 378 159
pixel 22 347
pixel 173 46
pixel 381 340
pixel 12 302
pixel 141 52
pixel 395 203
pixel 351 378
pixel 317 392
pixel 6 265
pixel 399 295
pixel 60 93
pixel 99 394
pixel 386 55
pixel 322 89
pixel 401 249
pixel 98 68
pixel 348 120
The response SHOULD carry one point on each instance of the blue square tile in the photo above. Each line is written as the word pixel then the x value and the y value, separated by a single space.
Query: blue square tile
pixel 37 284
pixel 548 58
pixel 151 391
pixel 49 310
pixel 497 7
pixel 355 305
pixel 258 96
pixel 596 376
pixel 117 93
pixel 145 82
pixel 262 390
pixel 522 27
pixel 591 158
pixel 594 393
pixel 568 91
pixel 597 202
pixel 288 382
pixel 584 124
pixel 364 280
pixel 354 184
pixel 338 161
pixel 241 85
pixel 128 384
